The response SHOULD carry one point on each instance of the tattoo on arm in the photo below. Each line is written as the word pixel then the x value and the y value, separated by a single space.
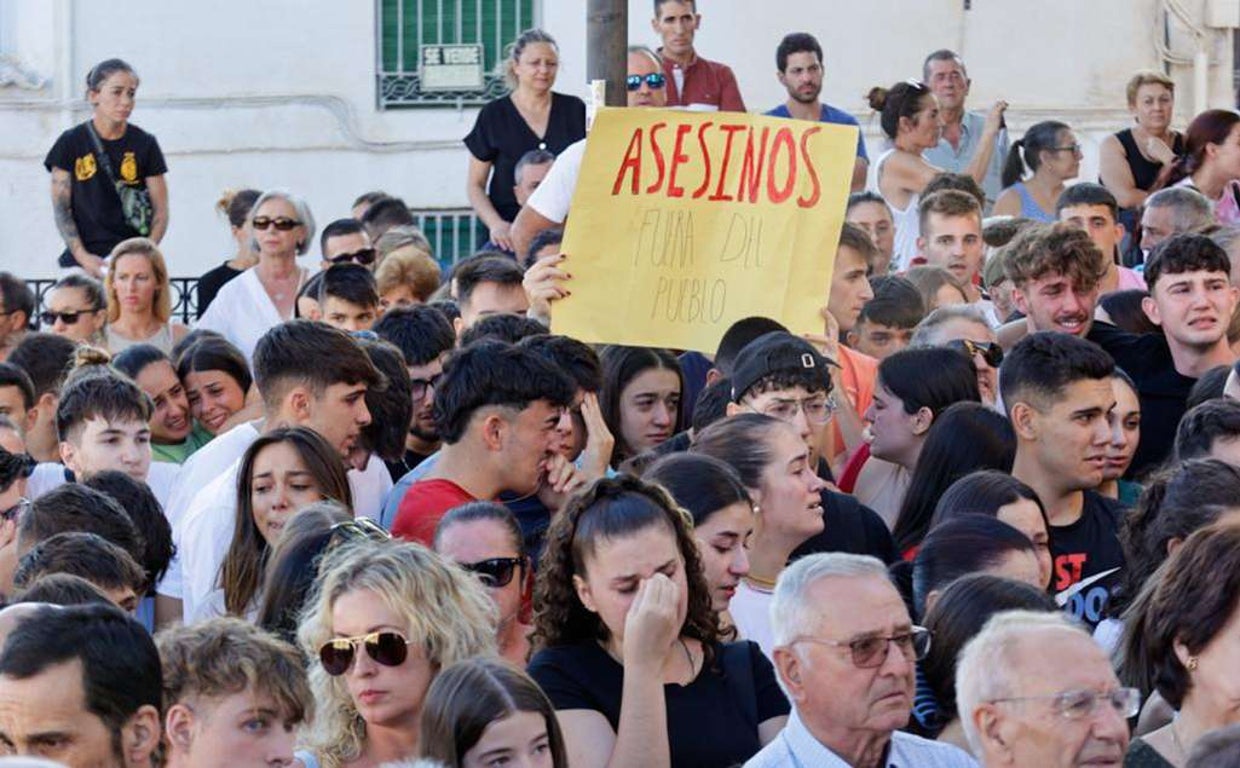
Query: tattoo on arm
pixel 62 206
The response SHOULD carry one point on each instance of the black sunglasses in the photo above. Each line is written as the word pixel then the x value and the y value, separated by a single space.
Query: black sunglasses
pixel 282 224
pixel 655 80
pixel 69 318
pixel 387 648
pixel 365 257
pixel 990 352
pixel 496 572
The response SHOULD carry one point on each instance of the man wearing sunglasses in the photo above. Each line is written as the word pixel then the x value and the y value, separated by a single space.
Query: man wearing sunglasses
pixel 845 654
pixel 1020 704
pixel 345 241
pixel 548 205
pixel 798 61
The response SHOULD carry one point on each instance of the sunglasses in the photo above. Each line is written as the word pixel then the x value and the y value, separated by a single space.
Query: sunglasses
pixel 284 225
pixel 358 529
pixel 365 257
pixel 387 648
pixel 496 572
pixel 991 353
pixel 68 318
pixel 655 80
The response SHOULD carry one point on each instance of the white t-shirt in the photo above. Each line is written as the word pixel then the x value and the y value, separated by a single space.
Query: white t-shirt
pixel 751 614
pixel 206 464
pixel 47 476
pixel 553 196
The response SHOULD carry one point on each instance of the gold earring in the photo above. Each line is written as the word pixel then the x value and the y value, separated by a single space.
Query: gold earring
pixel 1192 663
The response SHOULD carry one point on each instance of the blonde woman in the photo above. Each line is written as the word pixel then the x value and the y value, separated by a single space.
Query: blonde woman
pixel 386 618
pixel 407 274
pixel 139 298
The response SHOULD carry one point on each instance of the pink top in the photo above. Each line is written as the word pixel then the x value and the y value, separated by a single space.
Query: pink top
pixel 1130 279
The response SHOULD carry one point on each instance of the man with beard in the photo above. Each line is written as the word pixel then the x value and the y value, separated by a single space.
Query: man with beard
pixel 799 61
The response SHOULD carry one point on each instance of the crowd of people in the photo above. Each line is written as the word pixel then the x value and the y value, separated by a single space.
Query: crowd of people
pixel 368 512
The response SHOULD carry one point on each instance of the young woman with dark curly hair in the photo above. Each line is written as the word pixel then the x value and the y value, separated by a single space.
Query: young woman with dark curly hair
pixel 628 644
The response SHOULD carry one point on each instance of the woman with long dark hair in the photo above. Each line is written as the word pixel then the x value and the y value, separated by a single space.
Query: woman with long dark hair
pixel 640 398
pixel 1211 163
pixel 1052 154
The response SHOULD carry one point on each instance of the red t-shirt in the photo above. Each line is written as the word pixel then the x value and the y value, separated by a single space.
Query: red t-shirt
pixel 424 504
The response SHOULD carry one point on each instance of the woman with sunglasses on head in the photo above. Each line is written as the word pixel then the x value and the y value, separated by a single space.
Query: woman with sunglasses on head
pixel 483 537
pixel 96 163
pixel 910 118
pixel 217 381
pixel 484 712
pixel 292 569
pixel 1052 154
pixel 265 295
pixel 281 472
pixel 236 206
pixel 139 298
pixel 628 645
pixel 531 116
pixel 76 309
pixel 384 620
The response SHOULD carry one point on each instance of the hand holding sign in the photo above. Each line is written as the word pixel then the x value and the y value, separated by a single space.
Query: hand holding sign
pixel 683 223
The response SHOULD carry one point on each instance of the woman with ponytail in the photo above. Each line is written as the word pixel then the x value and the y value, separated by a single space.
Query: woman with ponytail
pixel 910 118
pixel 1179 501
pixel 236 206
pixel 1051 153
pixel 1211 163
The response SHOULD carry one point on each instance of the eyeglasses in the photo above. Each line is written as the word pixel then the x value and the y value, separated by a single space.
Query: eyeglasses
pixel 816 410
pixel 13 512
pixel 870 652
pixel 365 257
pixel 654 80
pixel 284 225
pixel 419 387
pixel 1078 705
pixel 387 648
pixel 1073 148
pixel 990 352
pixel 496 572
pixel 69 317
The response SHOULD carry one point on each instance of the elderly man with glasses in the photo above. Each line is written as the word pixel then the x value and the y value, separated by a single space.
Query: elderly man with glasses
pixel 1035 689
pixel 845 654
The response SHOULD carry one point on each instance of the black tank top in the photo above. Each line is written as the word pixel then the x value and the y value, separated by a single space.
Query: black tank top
pixel 1144 172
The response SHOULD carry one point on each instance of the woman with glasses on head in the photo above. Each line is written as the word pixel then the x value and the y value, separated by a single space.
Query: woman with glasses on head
pixel 1052 154
pixel 265 295
pixel 76 309
pixel 1181 634
pixel 281 471
pixel 385 619
pixel 628 645
pixel 532 116
pixel 95 163
pixel 772 462
pixel 483 537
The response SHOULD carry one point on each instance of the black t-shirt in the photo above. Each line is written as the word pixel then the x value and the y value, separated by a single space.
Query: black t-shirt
pixel 708 724
pixel 211 283
pixel 1162 390
pixel 501 136
pixel 1083 552
pixel 850 526
pixel 97 210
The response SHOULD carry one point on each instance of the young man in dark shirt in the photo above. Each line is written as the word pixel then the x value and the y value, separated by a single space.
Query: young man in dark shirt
pixel 1057 391
pixel 782 376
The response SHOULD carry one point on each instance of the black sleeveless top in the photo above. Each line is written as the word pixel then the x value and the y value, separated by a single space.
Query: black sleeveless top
pixel 1144 172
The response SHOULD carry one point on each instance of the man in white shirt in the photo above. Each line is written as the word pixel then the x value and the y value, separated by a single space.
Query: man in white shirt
pixel 845 653
pixel 308 374
pixel 548 206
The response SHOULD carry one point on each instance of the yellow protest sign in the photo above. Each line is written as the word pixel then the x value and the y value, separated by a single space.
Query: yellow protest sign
pixel 684 222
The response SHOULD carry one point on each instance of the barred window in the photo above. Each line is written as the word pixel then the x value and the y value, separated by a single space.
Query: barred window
pixel 446 52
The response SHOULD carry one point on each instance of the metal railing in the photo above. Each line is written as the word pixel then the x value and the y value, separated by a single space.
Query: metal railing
pixel 184 298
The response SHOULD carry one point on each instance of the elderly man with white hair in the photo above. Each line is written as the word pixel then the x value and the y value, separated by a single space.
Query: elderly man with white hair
pixel 835 619
pixel 1034 689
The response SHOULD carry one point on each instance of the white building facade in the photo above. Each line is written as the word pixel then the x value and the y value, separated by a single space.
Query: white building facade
pixel 307 95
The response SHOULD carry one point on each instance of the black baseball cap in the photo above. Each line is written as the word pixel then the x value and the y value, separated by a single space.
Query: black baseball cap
pixel 776 352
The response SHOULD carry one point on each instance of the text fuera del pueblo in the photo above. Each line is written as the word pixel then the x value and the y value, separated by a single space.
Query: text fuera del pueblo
pixel 770 163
